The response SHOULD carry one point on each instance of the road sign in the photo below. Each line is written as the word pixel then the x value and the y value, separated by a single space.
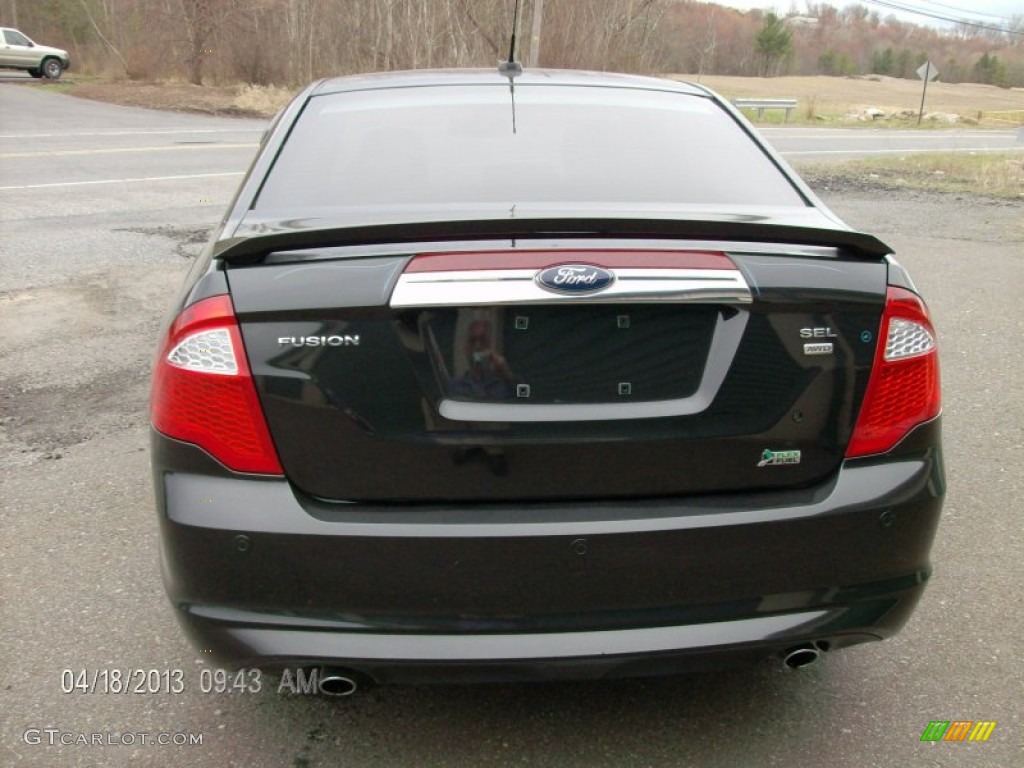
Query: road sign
pixel 927 71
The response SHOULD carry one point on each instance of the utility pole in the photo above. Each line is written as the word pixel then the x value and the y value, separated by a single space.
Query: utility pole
pixel 538 12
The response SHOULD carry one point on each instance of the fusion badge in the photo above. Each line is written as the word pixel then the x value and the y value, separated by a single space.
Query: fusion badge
pixel 319 341
pixel 574 279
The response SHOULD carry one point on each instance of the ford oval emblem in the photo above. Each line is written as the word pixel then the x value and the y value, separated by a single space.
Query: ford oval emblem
pixel 574 279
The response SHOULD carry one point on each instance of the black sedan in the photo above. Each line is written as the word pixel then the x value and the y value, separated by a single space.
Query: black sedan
pixel 499 376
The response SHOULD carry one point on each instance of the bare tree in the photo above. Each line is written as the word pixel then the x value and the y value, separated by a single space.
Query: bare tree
pixel 104 39
pixel 290 42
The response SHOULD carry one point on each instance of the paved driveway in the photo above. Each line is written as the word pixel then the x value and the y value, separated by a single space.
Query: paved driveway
pixel 87 266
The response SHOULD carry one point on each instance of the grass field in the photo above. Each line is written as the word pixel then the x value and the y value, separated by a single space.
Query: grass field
pixel 833 98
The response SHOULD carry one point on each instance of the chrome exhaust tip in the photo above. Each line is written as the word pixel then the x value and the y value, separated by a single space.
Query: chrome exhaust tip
pixel 336 682
pixel 800 656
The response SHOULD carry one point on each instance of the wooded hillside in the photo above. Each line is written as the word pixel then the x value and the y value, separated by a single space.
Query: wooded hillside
pixel 289 42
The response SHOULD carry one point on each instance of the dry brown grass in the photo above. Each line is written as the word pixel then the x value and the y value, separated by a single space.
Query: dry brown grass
pixel 991 174
pixel 254 101
pixel 260 99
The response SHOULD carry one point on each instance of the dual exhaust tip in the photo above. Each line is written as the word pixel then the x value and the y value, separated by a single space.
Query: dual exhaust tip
pixel 336 682
pixel 802 655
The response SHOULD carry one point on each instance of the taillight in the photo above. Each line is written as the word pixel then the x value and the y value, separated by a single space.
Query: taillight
pixel 204 394
pixel 903 390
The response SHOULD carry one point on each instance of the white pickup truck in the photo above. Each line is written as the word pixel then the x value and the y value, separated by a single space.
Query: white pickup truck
pixel 17 51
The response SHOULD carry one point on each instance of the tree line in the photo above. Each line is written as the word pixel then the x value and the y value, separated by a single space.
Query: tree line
pixel 290 42
pixel 831 41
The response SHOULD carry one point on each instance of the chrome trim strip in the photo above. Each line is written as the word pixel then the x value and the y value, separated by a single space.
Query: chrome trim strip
pixel 517 286
pixel 571 247
pixel 724 343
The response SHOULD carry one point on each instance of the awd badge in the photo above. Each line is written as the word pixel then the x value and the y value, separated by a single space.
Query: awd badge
pixel 820 348
pixel 771 458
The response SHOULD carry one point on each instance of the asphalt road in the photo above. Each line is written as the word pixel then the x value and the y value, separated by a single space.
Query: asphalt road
pixel 101 209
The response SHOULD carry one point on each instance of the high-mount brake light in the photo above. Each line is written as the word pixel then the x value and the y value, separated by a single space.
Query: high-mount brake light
pixel 203 392
pixel 903 390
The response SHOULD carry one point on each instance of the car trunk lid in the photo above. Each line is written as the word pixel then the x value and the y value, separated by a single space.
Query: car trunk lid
pixel 445 372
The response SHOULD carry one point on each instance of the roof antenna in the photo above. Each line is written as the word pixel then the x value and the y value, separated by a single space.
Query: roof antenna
pixel 512 68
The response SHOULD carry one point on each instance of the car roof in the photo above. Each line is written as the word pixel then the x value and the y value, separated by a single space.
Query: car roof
pixel 438 77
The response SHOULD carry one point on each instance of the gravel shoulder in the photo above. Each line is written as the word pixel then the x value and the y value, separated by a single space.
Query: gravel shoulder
pixel 898 213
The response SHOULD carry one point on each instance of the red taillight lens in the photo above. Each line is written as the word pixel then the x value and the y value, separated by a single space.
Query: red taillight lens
pixel 203 392
pixel 903 390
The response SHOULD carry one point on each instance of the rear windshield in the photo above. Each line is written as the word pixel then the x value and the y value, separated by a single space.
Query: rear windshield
pixel 456 145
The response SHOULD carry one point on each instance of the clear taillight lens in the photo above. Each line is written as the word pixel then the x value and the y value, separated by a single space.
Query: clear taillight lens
pixel 203 392
pixel 903 390
pixel 207 352
pixel 907 339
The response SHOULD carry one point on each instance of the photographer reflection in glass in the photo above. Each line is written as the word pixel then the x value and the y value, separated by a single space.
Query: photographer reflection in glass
pixel 488 376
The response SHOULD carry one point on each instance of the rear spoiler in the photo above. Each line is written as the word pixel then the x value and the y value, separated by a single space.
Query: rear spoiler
pixel 263 237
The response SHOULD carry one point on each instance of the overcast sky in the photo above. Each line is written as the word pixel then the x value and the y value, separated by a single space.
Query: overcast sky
pixel 983 11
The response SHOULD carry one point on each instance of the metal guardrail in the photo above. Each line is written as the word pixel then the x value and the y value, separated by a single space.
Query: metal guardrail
pixel 762 104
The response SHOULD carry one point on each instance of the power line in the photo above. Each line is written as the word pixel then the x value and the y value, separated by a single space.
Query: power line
pixel 966 11
pixel 951 19
pixel 892 4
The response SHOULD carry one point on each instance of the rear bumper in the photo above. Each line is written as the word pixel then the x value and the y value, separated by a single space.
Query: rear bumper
pixel 243 640
pixel 262 576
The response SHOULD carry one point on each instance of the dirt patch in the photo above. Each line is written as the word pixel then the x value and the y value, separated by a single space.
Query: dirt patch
pixel 75 359
pixel 46 412
pixel 185 240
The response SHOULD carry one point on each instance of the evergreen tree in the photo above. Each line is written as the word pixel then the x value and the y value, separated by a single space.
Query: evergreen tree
pixel 827 63
pixel 990 70
pixel 882 62
pixel 774 42
pixel 904 66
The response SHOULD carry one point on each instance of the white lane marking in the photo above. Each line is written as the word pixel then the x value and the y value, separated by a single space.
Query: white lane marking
pixel 992 141
pixel 117 150
pixel 123 181
pixel 126 133
pixel 899 151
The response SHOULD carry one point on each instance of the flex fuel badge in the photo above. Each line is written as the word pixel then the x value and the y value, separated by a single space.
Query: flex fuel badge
pixel 771 458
